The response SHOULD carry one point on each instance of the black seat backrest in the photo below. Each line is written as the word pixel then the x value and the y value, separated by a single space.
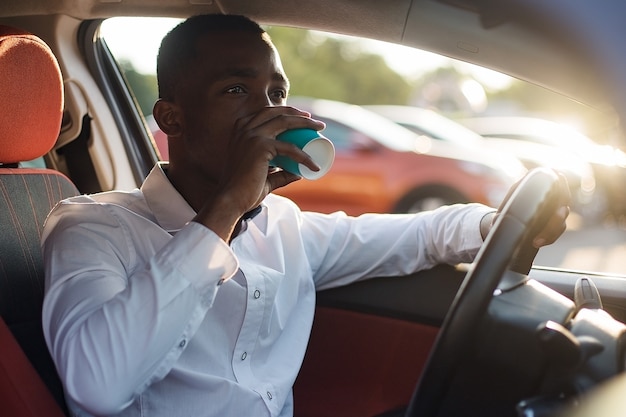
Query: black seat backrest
pixel 31 106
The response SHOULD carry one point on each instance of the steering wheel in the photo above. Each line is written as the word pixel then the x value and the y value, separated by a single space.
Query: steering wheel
pixel 508 246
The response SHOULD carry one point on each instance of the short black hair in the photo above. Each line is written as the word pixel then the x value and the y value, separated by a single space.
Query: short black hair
pixel 178 48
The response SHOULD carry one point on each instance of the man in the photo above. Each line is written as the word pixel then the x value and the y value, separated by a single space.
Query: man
pixel 194 295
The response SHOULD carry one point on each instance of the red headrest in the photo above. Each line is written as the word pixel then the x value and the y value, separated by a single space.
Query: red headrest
pixel 31 96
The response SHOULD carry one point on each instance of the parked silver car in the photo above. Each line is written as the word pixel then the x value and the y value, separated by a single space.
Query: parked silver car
pixel 608 162
pixel 448 133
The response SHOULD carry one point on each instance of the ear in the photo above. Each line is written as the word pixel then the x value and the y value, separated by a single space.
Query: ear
pixel 169 118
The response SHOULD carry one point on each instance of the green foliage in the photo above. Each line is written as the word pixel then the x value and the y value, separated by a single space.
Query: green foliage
pixel 143 86
pixel 532 99
pixel 324 67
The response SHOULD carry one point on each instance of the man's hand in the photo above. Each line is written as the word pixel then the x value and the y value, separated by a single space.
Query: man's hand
pixel 553 229
pixel 254 145
pixel 555 226
pixel 247 179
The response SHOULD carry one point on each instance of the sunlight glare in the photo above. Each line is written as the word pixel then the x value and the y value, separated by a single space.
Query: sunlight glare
pixel 137 39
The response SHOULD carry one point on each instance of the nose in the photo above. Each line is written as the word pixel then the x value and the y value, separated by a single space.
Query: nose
pixel 267 101
pixel 262 99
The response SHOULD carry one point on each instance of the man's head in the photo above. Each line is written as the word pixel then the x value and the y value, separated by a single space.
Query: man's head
pixel 179 49
pixel 214 72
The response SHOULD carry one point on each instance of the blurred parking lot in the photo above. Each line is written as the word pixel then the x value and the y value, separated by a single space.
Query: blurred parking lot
pixel 598 247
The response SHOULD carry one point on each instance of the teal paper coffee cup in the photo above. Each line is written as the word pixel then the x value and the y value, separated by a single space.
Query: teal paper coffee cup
pixel 312 142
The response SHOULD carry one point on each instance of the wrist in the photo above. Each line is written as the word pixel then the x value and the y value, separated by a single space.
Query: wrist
pixel 221 215
pixel 485 224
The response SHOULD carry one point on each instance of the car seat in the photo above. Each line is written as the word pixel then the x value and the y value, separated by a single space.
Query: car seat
pixel 31 107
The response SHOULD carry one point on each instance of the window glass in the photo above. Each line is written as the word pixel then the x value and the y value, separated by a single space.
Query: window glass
pixel 136 50
pixel 339 134
pixel 35 163
pixel 365 72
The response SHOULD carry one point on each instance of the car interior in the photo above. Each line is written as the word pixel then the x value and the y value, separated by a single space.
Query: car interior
pixel 499 337
pixel 28 196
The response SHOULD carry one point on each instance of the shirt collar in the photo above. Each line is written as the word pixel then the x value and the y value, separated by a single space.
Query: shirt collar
pixel 170 209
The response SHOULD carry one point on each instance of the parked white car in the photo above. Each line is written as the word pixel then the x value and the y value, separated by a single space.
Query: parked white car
pixel 448 133
pixel 608 162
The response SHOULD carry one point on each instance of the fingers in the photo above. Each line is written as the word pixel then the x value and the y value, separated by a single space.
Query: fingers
pixel 274 120
pixel 265 125
pixel 554 228
pixel 252 145
pixel 280 178
pixel 557 224
pixel 297 154
pixel 566 197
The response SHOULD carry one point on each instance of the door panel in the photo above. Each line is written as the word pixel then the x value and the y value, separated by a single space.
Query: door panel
pixel 370 341
pixel 358 364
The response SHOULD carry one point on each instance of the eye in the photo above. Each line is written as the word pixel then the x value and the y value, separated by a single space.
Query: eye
pixel 235 90
pixel 279 95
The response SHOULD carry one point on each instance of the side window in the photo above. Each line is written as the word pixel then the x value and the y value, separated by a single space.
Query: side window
pixel 35 163
pixel 339 134
pixel 136 57
pixel 345 138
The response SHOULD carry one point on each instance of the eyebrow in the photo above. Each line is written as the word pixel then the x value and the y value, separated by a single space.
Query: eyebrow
pixel 250 73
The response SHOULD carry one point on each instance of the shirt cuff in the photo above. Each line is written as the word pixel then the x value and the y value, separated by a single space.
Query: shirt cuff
pixel 486 222
pixel 202 257
pixel 472 233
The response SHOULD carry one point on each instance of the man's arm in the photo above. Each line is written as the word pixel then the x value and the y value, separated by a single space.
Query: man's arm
pixel 343 249
pixel 115 322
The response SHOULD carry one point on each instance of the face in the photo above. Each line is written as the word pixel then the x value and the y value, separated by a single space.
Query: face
pixel 237 76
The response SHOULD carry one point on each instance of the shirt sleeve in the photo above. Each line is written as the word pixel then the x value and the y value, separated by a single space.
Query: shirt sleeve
pixel 115 321
pixel 343 249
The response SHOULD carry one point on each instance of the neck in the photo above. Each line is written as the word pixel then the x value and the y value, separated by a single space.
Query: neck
pixel 195 190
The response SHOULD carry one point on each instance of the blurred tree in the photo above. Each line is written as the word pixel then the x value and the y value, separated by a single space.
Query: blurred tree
pixel 143 86
pixel 535 100
pixel 442 89
pixel 324 67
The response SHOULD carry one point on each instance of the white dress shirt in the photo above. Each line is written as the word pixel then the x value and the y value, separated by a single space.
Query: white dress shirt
pixel 149 314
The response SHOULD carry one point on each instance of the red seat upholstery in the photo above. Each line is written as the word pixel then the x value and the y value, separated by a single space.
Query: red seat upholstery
pixel 22 392
pixel 31 106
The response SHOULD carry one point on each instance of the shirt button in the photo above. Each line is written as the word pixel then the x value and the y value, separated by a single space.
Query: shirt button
pixel 244 355
pixel 269 395
pixel 182 343
pixel 257 293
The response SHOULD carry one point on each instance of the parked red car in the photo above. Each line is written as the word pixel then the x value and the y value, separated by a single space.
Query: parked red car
pixel 382 167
